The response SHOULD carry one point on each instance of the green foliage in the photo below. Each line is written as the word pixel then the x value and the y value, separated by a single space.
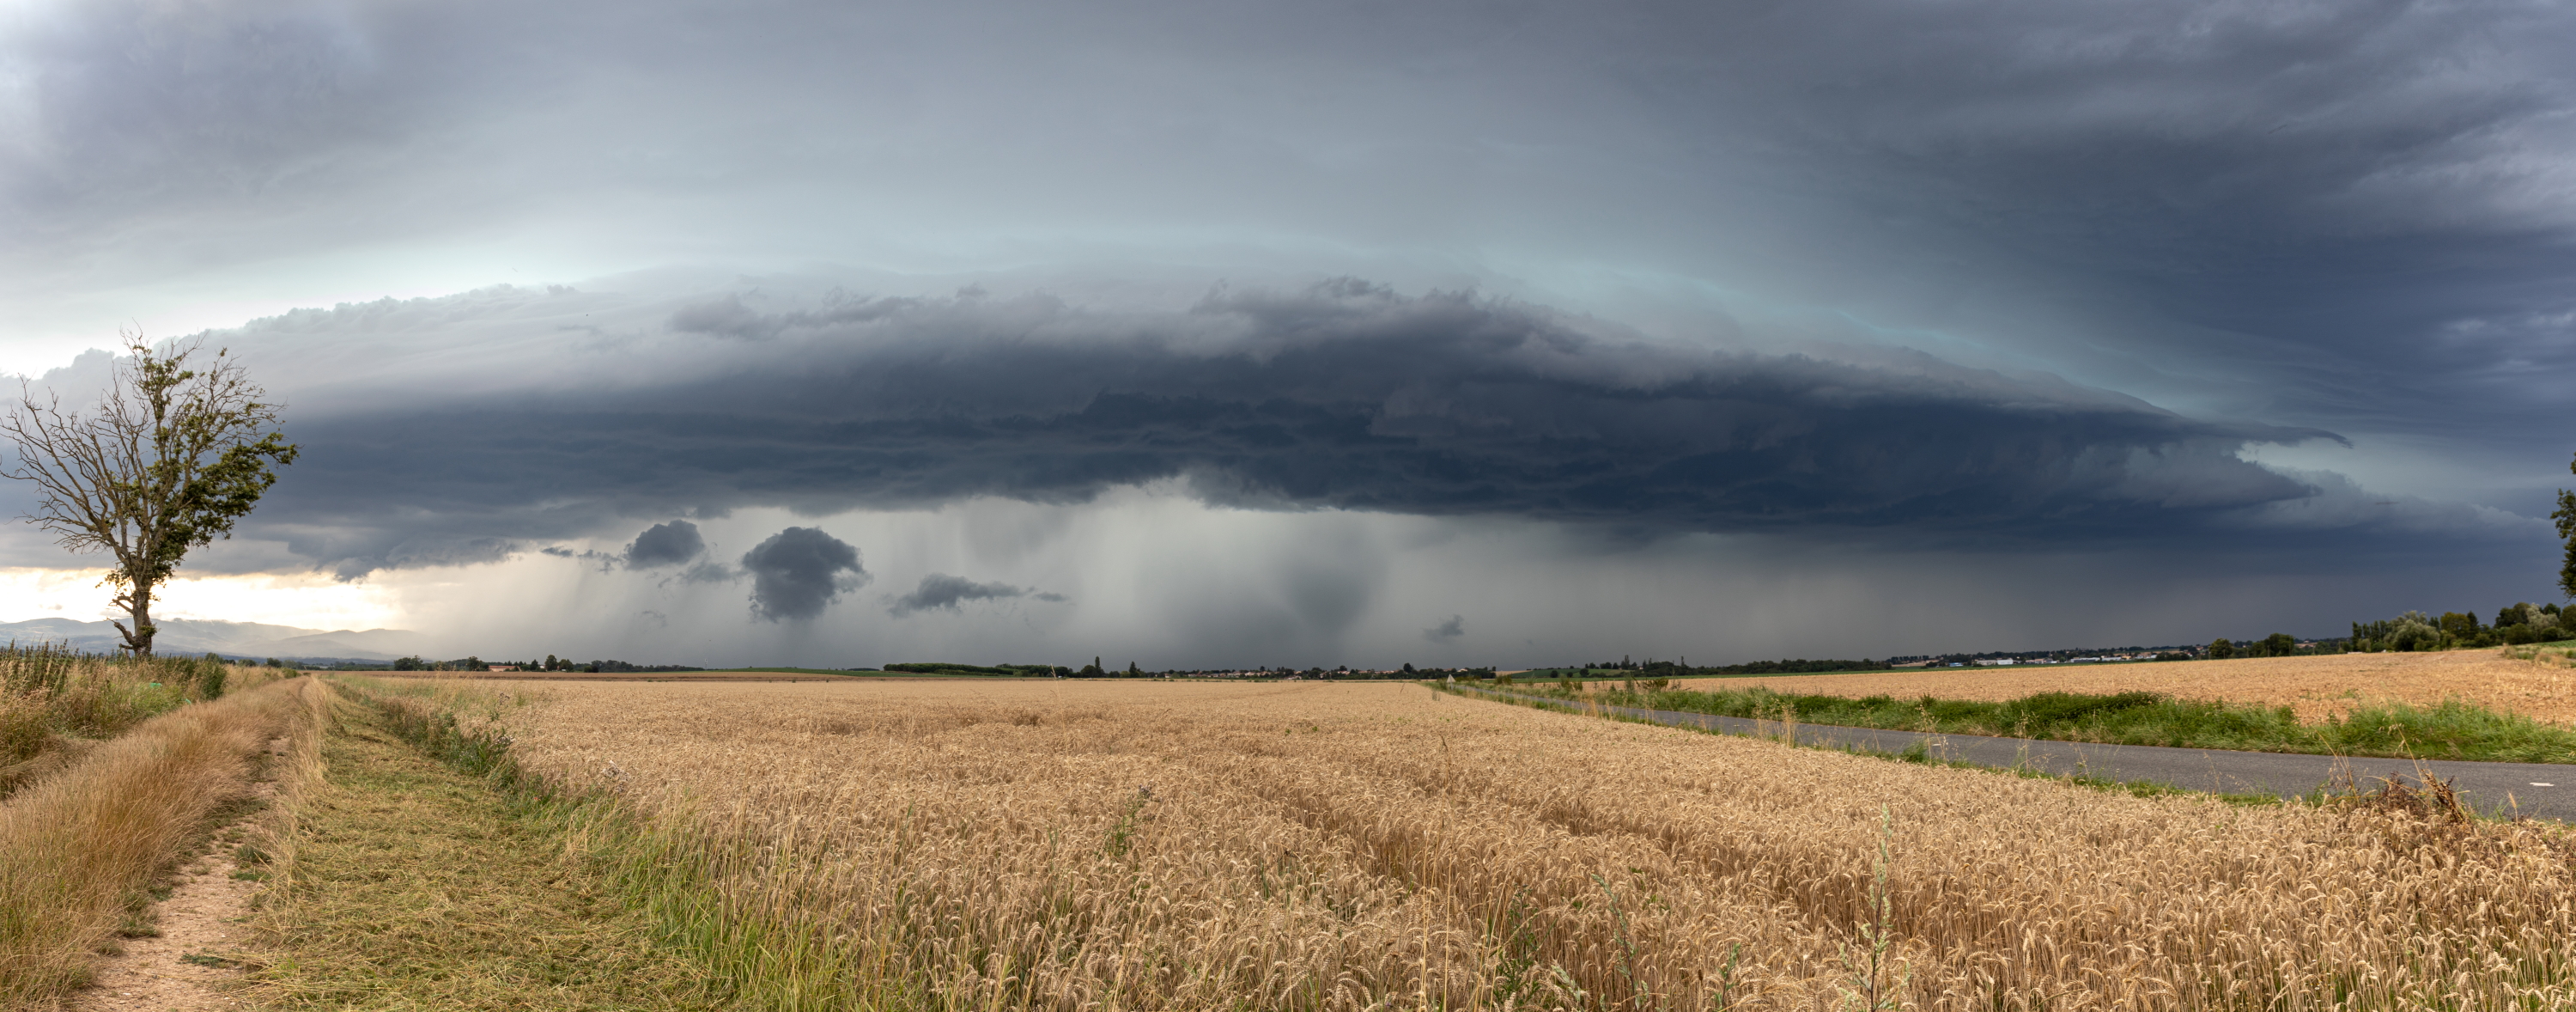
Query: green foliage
pixel 171 458
pixel 2221 649
pixel 2408 632
pixel 209 676
pixel 2565 517
pixel 2516 624
pixel 2455 729
pixel 2524 623
pixel 53 698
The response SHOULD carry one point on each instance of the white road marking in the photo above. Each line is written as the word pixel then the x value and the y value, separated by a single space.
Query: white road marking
pixel 2536 783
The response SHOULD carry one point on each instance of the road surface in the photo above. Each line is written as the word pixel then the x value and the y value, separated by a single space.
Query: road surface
pixel 2538 790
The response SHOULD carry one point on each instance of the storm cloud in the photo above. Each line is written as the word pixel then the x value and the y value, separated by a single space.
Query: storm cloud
pixel 666 545
pixel 1344 395
pixel 1448 631
pixel 942 591
pixel 2243 288
pixel 798 571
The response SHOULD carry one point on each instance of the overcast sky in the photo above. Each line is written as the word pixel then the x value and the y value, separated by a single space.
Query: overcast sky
pixel 1208 334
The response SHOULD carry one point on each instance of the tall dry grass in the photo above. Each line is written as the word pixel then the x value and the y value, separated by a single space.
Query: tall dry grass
pixel 55 703
pixel 1148 846
pixel 79 850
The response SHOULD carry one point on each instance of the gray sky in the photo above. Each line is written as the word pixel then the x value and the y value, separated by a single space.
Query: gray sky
pixel 1359 333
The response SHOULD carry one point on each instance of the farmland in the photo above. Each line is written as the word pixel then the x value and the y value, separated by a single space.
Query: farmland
pixel 1053 845
pixel 2315 687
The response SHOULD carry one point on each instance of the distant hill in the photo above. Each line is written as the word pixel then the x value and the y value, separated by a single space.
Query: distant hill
pixel 239 639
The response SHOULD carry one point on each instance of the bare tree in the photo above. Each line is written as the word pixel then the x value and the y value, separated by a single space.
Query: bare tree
pixel 166 461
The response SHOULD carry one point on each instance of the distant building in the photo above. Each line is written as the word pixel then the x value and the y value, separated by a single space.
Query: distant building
pixel 505 667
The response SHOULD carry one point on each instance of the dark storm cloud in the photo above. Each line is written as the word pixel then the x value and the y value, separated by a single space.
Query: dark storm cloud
pixel 940 590
pixel 2288 208
pixel 1345 395
pixel 666 545
pixel 798 571
pixel 2349 216
pixel 1448 631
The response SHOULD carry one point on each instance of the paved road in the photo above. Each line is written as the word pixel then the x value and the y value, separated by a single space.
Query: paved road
pixel 2539 790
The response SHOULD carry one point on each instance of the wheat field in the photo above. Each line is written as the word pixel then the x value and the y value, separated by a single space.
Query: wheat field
pixel 1192 846
pixel 2317 687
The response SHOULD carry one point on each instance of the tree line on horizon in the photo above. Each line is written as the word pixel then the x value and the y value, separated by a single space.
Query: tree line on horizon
pixel 2515 624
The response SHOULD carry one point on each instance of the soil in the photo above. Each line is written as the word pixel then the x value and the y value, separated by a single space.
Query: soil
pixel 206 917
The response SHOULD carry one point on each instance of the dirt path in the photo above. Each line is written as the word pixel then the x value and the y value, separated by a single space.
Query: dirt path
pixel 186 965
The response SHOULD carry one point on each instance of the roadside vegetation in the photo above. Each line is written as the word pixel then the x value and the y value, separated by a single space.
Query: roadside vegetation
pixel 57 704
pixel 83 849
pixel 2453 729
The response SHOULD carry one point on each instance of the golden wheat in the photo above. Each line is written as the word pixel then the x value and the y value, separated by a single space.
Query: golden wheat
pixel 2317 687
pixel 1187 846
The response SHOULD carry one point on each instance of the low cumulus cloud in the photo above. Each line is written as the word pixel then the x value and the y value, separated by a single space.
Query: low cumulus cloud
pixel 799 571
pixel 667 544
pixel 1448 631
pixel 942 591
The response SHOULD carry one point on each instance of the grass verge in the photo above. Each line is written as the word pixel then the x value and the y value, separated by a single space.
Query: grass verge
pixel 695 895
pixel 1917 755
pixel 56 704
pixel 2455 729
pixel 2561 654
pixel 81 852
pixel 414 884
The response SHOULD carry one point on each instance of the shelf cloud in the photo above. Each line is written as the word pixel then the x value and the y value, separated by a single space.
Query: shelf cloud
pixel 1342 395
pixel 2255 288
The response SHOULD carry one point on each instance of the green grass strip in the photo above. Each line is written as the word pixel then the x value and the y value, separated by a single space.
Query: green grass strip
pixel 1918 754
pixel 697 893
pixel 415 886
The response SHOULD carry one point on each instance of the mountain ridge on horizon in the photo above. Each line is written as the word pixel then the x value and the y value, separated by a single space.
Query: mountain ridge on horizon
pixel 195 636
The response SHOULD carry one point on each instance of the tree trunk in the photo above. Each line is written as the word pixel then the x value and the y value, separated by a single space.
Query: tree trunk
pixel 138 603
